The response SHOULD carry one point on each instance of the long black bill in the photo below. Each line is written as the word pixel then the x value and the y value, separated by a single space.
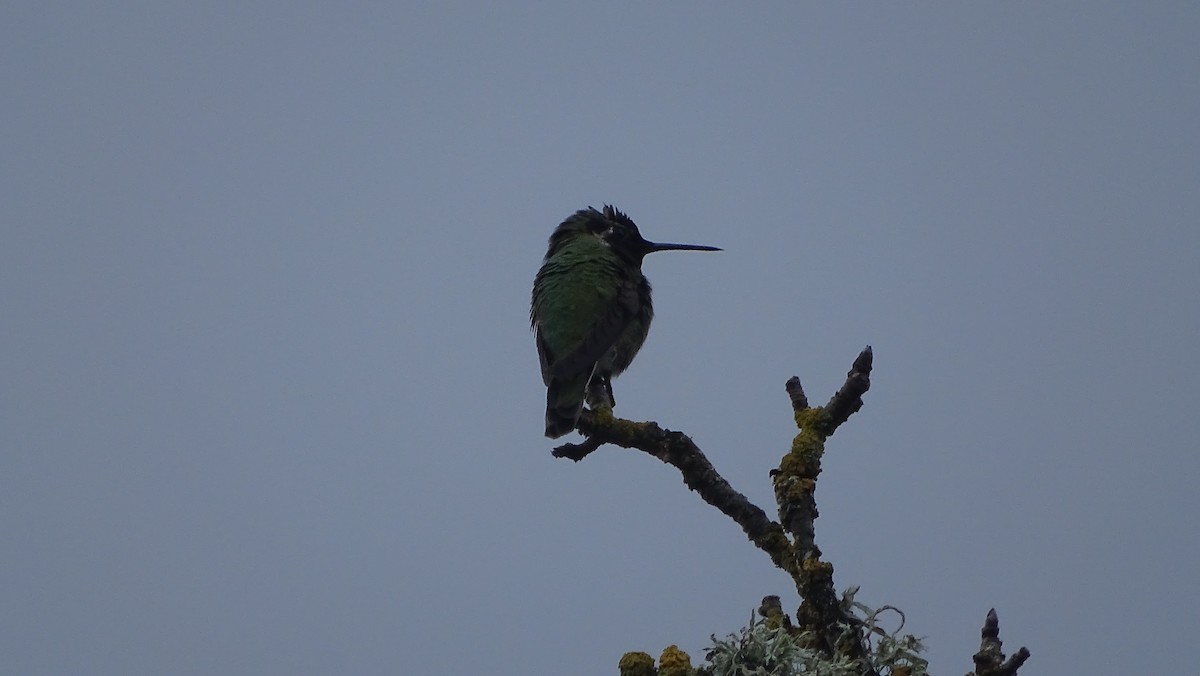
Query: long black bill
pixel 651 247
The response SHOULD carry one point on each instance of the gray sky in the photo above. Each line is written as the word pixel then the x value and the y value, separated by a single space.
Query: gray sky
pixel 271 404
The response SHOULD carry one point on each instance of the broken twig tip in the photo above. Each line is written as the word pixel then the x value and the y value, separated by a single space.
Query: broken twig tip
pixel 796 393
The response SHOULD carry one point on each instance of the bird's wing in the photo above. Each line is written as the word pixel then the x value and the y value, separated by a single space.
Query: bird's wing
pixel 544 355
pixel 620 311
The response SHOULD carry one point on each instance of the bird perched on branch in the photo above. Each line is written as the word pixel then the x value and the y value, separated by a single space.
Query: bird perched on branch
pixel 591 310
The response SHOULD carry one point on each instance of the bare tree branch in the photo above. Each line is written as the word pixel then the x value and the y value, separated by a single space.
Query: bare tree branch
pixel 989 661
pixel 796 394
pixel 678 450
pixel 790 542
pixel 795 487
pixel 848 400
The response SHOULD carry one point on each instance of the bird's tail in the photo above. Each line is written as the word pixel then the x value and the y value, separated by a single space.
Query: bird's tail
pixel 564 401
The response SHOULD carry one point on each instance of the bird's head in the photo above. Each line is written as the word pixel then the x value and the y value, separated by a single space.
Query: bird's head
pixel 615 230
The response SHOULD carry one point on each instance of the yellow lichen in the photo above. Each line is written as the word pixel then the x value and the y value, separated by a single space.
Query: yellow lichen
pixel 636 664
pixel 804 457
pixel 624 428
pixel 815 566
pixel 602 416
pixel 674 662
pixel 793 464
pixel 813 419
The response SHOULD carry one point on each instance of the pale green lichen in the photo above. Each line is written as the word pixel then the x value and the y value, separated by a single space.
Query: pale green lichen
pixel 767 649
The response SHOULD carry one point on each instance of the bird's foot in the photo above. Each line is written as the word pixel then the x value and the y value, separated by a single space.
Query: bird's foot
pixel 600 394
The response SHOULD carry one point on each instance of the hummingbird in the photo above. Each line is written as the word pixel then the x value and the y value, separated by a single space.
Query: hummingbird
pixel 591 310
